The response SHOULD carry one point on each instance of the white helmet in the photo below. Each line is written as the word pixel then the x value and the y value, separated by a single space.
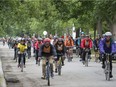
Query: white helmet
pixel 108 34
pixel 39 38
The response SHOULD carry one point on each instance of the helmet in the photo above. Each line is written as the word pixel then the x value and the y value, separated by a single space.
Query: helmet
pixel 108 34
pixel 82 33
pixel 19 38
pixel 46 40
pixel 40 39
pixel 55 37
pixel 60 39
pixel 23 39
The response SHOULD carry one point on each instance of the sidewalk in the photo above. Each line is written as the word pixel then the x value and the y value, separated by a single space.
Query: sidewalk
pixel 2 79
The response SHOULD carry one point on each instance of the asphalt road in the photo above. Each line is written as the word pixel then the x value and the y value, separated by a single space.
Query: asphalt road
pixel 74 74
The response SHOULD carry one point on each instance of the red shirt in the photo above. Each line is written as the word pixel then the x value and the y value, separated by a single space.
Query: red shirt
pixel 38 44
pixel 86 43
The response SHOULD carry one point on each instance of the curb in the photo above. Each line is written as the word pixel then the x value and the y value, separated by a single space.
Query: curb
pixel 2 79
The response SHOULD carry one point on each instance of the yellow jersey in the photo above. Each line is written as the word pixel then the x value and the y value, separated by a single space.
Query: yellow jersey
pixel 22 47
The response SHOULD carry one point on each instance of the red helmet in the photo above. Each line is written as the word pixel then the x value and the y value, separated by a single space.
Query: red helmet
pixel 46 40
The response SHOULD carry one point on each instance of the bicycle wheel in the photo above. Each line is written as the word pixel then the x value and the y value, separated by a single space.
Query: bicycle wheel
pixel 48 74
pixel 22 64
pixel 16 56
pixel 77 52
pixel 86 59
pixel 107 71
pixel 59 66
pixel 97 57
pixel 59 70
pixel 108 75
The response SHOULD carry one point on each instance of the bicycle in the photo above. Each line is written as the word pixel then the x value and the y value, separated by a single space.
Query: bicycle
pixel 96 55
pixel 59 66
pixel 77 51
pixel 69 53
pixel 22 60
pixel 29 54
pixel 107 67
pixel 86 57
pixel 49 72
pixel 16 55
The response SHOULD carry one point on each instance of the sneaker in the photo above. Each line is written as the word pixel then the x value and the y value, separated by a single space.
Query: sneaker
pixel 55 70
pixel 80 59
pixel 62 64
pixel 111 76
pixel 103 66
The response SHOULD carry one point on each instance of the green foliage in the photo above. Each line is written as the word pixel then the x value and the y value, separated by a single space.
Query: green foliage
pixel 54 16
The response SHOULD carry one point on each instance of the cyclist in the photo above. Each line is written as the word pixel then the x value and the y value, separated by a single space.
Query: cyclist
pixel 22 47
pixel 29 47
pixel 38 43
pixel 79 43
pixel 69 43
pixel 86 44
pixel 33 43
pixel 107 45
pixel 60 49
pixel 55 40
pixel 15 49
pixel 51 39
pixel 96 47
pixel 47 50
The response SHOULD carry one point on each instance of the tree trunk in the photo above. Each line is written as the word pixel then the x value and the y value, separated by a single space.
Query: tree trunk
pixel 113 28
pixel 95 28
pixel 99 26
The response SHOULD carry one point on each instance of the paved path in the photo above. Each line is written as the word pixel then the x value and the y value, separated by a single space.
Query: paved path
pixel 74 74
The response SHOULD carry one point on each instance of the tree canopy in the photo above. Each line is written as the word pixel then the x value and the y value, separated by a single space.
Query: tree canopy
pixel 55 16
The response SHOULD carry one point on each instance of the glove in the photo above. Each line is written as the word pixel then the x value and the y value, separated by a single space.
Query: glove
pixel 55 57
pixel 102 55
pixel 18 52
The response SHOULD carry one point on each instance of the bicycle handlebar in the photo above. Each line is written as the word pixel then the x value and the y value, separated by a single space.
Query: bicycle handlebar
pixel 69 46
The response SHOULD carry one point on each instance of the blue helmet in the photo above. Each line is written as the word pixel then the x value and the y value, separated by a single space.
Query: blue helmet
pixel 82 33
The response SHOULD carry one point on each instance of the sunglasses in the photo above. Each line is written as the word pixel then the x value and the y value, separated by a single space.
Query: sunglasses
pixel 108 36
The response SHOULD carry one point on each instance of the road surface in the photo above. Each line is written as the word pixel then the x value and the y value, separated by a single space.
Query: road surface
pixel 74 74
